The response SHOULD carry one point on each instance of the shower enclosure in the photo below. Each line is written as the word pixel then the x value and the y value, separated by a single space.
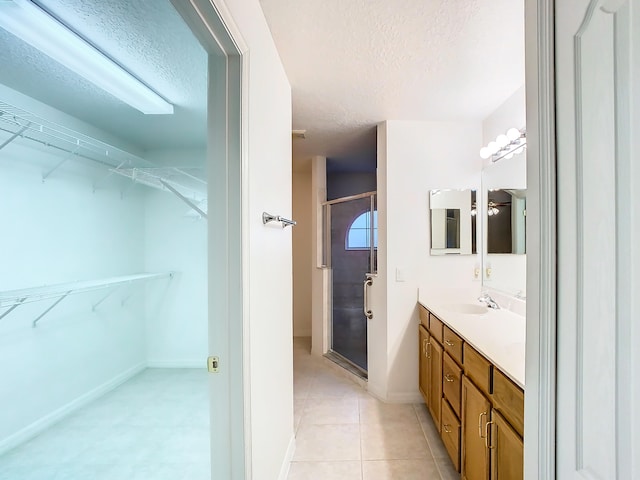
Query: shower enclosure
pixel 351 238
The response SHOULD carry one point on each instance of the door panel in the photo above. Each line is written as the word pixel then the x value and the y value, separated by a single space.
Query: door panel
pixel 593 74
pixel 353 237
pixel 476 410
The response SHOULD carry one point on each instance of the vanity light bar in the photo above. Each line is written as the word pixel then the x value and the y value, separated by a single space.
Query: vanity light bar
pixel 28 21
pixel 505 145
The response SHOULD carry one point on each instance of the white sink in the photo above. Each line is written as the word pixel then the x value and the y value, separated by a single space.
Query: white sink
pixel 466 308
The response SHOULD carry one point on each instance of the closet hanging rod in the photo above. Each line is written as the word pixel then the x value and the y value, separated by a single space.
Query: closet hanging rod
pixel 13 298
pixel 267 217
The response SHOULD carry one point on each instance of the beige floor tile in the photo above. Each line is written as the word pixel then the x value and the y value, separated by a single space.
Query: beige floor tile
pixel 433 437
pixel 393 441
pixel 327 384
pixel 400 470
pixel 327 443
pixel 374 411
pixel 330 411
pixel 447 472
pixel 298 410
pixel 325 471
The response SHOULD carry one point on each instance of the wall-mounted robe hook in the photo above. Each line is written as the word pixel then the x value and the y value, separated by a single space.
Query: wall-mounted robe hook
pixel 267 217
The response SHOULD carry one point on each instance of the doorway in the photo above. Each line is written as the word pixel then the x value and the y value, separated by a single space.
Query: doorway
pixel 351 242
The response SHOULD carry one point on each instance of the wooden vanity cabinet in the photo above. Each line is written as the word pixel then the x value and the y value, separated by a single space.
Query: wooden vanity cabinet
pixel 430 374
pixel 476 411
pixel 507 450
pixel 434 362
pixel 423 365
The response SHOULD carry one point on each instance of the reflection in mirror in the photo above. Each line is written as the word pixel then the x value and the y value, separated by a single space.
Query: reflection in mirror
pixel 506 219
pixel 453 222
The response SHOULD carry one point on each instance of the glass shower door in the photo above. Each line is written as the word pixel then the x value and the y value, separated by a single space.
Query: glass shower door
pixel 352 243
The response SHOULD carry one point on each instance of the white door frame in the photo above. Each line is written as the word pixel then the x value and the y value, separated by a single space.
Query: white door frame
pixel 540 380
pixel 227 160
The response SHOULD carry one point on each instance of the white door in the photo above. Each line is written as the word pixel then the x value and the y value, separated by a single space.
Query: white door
pixel 598 112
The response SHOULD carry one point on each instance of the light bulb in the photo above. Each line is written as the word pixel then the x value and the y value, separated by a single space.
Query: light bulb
pixel 473 213
pixel 502 141
pixel 485 153
pixel 513 134
pixel 493 147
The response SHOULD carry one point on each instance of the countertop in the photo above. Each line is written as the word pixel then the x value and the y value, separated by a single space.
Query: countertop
pixel 498 334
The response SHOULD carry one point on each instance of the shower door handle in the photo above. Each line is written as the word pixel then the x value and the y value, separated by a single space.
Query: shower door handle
pixel 367 312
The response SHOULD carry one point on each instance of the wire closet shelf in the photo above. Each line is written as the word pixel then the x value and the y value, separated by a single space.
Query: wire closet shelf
pixel 189 184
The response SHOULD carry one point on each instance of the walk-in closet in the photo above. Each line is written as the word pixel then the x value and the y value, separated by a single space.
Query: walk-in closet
pixel 103 245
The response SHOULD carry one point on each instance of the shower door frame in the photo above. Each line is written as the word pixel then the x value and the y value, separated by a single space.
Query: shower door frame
pixel 326 263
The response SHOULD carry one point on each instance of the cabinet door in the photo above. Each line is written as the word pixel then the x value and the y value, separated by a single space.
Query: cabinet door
pixel 476 410
pixel 423 379
pixel 435 380
pixel 507 450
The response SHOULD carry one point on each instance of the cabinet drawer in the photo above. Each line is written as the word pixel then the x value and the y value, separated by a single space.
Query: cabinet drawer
pixel 508 399
pixel 436 328
pixel 452 382
pixel 453 344
pixel 451 434
pixel 424 316
pixel 477 368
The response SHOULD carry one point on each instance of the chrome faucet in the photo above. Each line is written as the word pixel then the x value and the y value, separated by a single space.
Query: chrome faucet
pixel 491 303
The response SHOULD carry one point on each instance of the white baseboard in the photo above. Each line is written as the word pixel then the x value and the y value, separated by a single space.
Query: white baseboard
pixel 189 363
pixel 291 449
pixel 406 397
pixel 47 421
pixel 400 397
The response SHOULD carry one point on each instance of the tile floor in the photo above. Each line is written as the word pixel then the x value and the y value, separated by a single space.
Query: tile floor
pixel 153 427
pixel 343 433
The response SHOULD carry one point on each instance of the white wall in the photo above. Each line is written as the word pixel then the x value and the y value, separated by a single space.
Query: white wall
pixel 53 232
pixel 302 256
pixel 176 315
pixel 176 240
pixel 413 158
pixel 269 269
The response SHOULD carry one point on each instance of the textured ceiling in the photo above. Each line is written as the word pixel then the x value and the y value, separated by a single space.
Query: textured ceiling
pixel 354 63
pixel 146 37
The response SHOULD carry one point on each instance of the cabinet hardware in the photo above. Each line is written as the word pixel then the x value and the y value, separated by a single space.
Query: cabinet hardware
pixel 446 428
pixel 449 378
pixel 428 349
pixel 449 343
pixel 486 435
pixel 480 424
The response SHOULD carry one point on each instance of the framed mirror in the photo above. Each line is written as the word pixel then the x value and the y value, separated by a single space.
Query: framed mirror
pixel 453 222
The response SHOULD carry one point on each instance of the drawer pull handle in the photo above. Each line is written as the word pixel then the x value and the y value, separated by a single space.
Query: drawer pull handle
pixel 483 414
pixel 449 343
pixel 446 428
pixel 449 378
pixel 486 436
pixel 428 349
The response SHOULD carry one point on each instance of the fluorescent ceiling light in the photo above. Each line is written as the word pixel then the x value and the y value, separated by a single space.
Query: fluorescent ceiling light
pixel 26 20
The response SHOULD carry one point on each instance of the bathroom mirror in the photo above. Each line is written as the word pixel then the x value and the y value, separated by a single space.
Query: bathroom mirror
pixel 506 221
pixel 503 225
pixel 453 222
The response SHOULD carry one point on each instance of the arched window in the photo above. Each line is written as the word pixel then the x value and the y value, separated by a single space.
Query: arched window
pixel 359 233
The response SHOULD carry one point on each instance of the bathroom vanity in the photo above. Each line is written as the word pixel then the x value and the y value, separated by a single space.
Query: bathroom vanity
pixel 471 375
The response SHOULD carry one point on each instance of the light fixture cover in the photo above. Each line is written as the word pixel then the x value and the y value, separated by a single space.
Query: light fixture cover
pixel 26 20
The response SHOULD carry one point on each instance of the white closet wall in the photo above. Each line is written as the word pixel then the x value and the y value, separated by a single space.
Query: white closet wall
pixel 176 240
pixel 53 232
